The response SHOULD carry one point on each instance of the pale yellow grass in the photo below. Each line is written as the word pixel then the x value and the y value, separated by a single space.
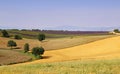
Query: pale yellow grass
pixel 20 43
pixel 103 49
pixel 50 44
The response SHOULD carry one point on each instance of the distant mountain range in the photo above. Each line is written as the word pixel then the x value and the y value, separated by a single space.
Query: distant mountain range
pixel 75 28
pixel 69 28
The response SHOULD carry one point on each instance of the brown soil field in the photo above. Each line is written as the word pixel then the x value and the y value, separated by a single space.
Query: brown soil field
pixel 12 57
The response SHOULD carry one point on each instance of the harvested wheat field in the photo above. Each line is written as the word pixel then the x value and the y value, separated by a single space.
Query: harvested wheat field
pixel 102 49
pixel 50 44
pixel 91 58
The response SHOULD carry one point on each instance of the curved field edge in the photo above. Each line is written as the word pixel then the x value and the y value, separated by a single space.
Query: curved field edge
pixel 50 44
pixel 68 67
pixel 8 57
pixel 108 48
pixel 102 49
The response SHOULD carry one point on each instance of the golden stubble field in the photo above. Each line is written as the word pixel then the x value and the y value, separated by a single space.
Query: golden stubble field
pixel 102 49
pixel 56 43
pixel 91 58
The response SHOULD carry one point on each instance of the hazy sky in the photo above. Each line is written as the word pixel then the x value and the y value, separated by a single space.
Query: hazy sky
pixel 59 14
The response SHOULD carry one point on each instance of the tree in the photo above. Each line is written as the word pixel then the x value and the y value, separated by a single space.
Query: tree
pixel 18 37
pixel 116 30
pixel 38 51
pixel 41 37
pixel 5 33
pixel 11 44
pixel 26 47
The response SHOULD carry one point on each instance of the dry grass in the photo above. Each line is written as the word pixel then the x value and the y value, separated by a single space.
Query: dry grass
pixel 71 42
pixel 12 57
pixel 69 67
pixel 50 44
pixel 103 49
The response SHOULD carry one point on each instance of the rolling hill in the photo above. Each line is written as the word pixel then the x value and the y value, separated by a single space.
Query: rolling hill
pixel 102 49
pixel 90 58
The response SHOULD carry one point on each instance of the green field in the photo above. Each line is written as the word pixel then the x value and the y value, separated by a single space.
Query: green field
pixel 68 67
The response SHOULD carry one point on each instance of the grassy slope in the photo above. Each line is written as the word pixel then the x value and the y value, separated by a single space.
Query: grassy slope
pixel 33 34
pixel 59 43
pixel 11 57
pixel 69 67
pixel 102 49
pixel 71 42
pixel 108 48
pixel 73 67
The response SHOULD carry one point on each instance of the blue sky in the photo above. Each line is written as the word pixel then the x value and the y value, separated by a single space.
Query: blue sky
pixel 60 14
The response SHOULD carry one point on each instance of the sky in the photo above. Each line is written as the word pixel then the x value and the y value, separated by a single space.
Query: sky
pixel 60 14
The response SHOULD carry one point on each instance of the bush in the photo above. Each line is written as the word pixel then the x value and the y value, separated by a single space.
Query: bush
pixel 5 33
pixel 11 44
pixel 41 37
pixel 116 30
pixel 26 47
pixel 38 51
pixel 17 37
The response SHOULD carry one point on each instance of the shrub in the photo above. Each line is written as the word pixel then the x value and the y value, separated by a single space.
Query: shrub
pixel 116 30
pixel 11 44
pixel 17 37
pixel 5 33
pixel 38 51
pixel 26 47
pixel 41 37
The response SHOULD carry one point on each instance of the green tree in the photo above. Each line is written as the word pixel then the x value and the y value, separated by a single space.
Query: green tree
pixel 18 37
pixel 26 47
pixel 11 44
pixel 5 33
pixel 41 37
pixel 116 30
pixel 38 51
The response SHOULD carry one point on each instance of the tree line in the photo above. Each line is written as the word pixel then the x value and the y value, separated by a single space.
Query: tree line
pixel 36 51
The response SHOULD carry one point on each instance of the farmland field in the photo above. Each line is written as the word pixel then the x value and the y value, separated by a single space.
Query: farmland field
pixel 53 41
pixel 68 67
pixel 12 57
pixel 57 34
pixel 102 49
pixel 84 54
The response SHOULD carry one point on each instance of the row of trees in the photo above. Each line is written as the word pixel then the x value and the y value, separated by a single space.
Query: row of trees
pixel 6 34
pixel 37 51
pixel 41 37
